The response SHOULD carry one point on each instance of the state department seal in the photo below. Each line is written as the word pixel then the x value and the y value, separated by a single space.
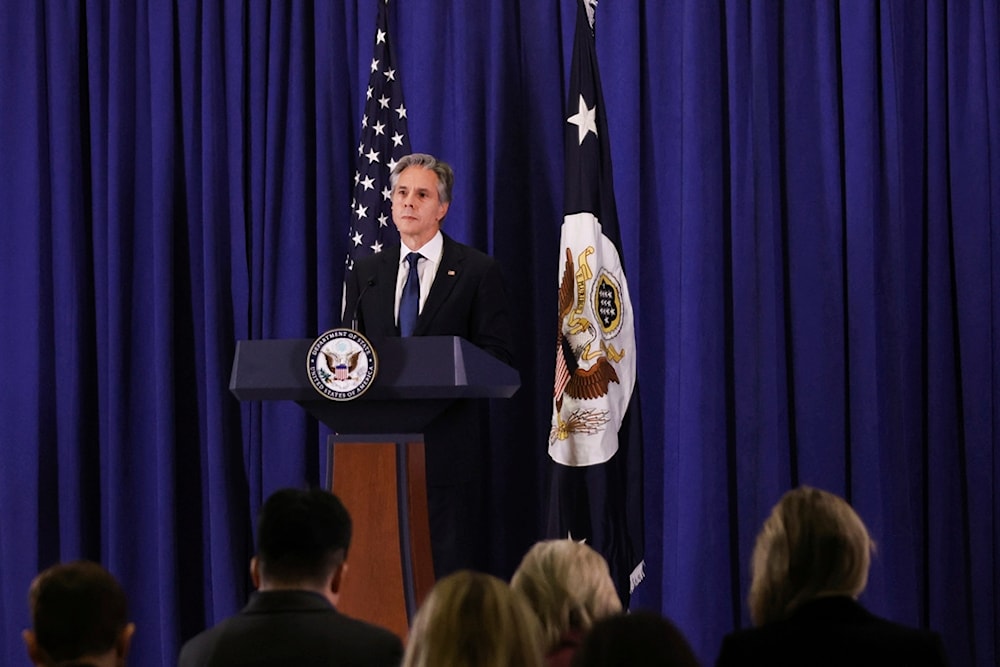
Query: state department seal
pixel 341 364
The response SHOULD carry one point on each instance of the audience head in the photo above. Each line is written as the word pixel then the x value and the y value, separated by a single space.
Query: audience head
pixel 79 617
pixel 813 544
pixel 641 639
pixel 302 541
pixel 471 619
pixel 569 587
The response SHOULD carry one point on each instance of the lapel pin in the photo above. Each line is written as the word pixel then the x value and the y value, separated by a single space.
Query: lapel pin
pixel 451 272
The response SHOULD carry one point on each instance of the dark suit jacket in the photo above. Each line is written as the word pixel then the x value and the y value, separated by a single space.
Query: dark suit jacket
pixel 828 632
pixel 466 299
pixel 280 628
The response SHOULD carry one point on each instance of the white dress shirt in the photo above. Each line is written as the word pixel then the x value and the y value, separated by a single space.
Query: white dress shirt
pixel 427 268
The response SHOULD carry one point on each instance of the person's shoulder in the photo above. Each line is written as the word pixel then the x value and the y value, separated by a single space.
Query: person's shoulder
pixel 475 263
pixel 195 650
pixel 893 626
pixel 854 635
pixel 748 636
pixel 367 629
pixel 375 259
pixel 925 646
pixel 466 251
pixel 377 644
pixel 738 647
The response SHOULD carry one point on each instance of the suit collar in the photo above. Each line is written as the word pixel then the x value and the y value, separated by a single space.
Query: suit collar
pixel 453 255
pixel 828 609
pixel 266 602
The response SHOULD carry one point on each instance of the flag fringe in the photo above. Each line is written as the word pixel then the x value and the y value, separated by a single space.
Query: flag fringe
pixel 638 574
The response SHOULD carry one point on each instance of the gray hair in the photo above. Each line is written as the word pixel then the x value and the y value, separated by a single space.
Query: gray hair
pixel 812 544
pixel 443 171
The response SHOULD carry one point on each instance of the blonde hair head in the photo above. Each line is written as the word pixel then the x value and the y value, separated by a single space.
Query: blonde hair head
pixel 813 544
pixel 471 619
pixel 568 585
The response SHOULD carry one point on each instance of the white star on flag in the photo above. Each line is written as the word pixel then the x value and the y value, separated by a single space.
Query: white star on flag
pixel 585 119
pixel 383 142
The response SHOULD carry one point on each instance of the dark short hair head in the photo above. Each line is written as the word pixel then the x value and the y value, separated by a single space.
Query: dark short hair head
pixel 302 535
pixel 77 609
pixel 443 171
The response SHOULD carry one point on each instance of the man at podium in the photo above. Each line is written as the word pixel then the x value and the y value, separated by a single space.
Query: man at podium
pixel 432 285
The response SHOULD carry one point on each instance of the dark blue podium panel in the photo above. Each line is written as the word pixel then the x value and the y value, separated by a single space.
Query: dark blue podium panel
pixel 417 379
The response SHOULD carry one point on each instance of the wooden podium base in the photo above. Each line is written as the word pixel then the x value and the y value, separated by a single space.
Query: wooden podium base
pixel 382 482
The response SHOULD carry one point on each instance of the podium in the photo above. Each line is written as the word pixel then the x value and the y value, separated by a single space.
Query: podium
pixel 376 452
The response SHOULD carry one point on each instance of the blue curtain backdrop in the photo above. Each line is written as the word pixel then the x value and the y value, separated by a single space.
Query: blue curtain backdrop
pixel 809 195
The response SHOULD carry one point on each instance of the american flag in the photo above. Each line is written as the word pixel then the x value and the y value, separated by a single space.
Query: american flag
pixel 596 438
pixel 384 139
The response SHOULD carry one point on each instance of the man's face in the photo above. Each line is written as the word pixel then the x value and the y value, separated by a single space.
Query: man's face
pixel 416 208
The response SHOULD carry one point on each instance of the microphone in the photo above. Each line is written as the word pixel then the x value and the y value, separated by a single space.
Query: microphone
pixel 357 302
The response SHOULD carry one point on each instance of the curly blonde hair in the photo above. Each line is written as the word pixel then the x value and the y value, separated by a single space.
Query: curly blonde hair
pixel 568 585
pixel 471 619
pixel 813 544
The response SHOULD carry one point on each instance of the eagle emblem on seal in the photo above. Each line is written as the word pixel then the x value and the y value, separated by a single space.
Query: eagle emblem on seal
pixel 582 369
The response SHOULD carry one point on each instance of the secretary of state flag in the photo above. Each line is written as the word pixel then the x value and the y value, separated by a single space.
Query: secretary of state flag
pixel 595 440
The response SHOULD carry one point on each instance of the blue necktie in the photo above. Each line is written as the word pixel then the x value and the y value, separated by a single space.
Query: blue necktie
pixel 409 302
